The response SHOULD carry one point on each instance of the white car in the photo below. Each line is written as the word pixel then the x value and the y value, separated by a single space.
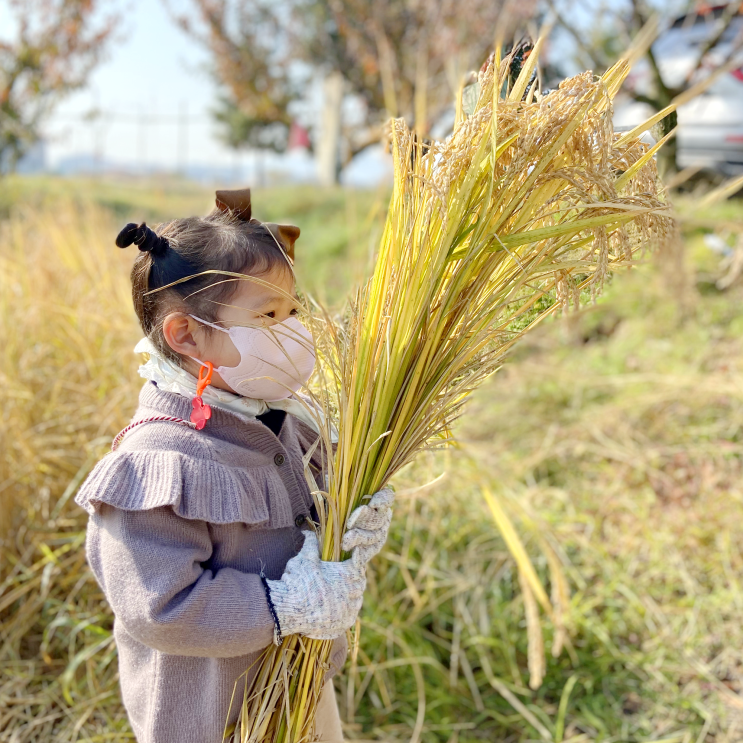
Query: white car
pixel 710 134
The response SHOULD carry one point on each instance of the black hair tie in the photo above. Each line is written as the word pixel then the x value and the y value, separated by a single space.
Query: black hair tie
pixel 146 239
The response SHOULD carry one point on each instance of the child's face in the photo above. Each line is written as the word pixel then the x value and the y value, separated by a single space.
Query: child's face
pixel 252 304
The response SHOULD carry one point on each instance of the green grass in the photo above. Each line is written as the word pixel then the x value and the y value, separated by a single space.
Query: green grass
pixel 615 436
pixel 340 228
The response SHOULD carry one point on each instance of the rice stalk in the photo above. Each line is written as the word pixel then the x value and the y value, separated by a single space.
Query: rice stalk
pixel 525 209
pixel 535 659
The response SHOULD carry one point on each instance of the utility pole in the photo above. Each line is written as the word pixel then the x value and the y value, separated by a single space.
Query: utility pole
pixel 183 122
pixel 142 143
pixel 98 133
pixel 259 167
pixel 236 165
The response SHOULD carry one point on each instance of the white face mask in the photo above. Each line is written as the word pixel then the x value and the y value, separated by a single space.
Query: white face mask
pixel 275 361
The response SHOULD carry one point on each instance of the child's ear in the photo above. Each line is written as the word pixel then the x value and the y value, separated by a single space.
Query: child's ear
pixel 178 330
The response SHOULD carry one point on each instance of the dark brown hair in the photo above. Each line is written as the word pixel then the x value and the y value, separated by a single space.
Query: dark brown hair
pixel 220 241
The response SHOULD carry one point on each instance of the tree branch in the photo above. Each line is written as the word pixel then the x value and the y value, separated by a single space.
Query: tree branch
pixel 596 61
pixel 722 25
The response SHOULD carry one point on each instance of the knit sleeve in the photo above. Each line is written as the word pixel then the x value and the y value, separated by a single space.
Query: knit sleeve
pixel 150 566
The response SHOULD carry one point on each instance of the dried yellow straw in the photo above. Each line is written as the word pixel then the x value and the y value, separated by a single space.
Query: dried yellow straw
pixel 525 209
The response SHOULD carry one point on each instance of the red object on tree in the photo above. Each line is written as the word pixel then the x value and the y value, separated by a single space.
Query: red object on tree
pixel 298 137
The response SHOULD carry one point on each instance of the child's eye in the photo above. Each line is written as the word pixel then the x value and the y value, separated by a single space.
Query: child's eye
pixel 271 314
pixel 295 311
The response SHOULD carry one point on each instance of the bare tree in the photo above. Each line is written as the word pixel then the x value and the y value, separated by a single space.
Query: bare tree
pixel 399 57
pixel 405 57
pixel 615 24
pixel 54 47
pixel 250 60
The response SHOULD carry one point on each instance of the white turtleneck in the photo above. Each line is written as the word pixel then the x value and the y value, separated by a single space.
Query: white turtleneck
pixel 172 378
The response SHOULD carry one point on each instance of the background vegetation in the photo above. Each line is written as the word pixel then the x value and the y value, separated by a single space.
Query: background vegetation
pixel 613 439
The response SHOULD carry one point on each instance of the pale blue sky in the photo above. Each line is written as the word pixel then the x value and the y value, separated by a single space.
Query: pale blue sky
pixel 153 72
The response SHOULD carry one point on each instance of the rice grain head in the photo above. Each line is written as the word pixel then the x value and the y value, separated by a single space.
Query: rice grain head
pixel 524 210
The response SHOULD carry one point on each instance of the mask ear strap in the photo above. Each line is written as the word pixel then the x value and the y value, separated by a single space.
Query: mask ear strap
pixel 211 324
pixel 207 364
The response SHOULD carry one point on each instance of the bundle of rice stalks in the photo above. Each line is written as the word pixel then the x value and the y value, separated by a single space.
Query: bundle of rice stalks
pixel 525 209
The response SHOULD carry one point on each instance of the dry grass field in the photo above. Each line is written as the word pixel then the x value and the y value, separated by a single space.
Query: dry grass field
pixel 613 440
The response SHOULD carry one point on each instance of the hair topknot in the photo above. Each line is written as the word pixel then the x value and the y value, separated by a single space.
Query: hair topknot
pixel 146 239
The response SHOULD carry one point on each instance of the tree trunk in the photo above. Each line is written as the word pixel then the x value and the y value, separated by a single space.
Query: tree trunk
pixel 330 130
pixel 667 155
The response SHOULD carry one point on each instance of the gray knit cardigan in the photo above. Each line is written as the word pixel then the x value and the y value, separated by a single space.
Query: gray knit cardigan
pixel 181 524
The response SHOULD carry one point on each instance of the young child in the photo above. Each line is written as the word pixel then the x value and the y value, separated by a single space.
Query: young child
pixel 199 532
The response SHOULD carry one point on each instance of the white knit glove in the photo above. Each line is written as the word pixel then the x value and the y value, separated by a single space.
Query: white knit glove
pixel 319 599
pixel 367 527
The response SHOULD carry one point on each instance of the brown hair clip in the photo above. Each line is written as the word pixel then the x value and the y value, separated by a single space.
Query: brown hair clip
pixel 238 202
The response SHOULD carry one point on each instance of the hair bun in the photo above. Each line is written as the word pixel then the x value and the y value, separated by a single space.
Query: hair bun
pixel 143 237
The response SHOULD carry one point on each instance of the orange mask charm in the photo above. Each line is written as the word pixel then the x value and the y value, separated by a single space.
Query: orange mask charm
pixel 201 411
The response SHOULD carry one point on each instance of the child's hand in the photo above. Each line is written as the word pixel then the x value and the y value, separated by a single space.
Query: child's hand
pixel 316 598
pixel 367 527
pixel 321 599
